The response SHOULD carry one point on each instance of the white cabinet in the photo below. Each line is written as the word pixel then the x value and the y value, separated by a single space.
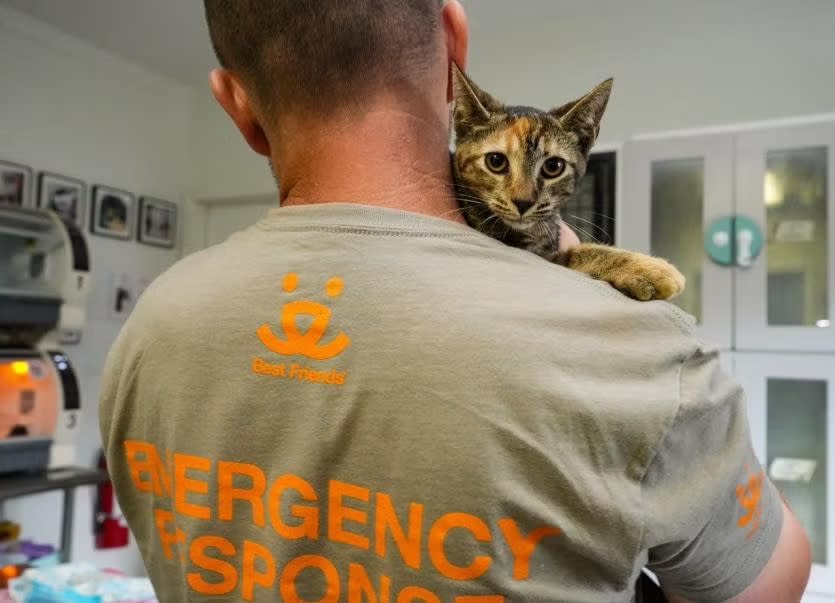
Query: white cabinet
pixel 786 183
pixel 673 189
pixel 791 405
pixel 773 189
pixel 748 215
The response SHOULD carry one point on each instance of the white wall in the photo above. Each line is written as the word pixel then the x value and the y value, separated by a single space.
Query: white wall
pixel 222 168
pixel 677 64
pixel 69 108
pixel 222 163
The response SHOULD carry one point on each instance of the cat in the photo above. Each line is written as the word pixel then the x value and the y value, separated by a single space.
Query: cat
pixel 515 168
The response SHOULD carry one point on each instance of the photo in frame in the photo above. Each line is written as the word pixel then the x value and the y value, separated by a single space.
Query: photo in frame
pixel 113 213
pixel 157 222
pixel 15 184
pixel 65 196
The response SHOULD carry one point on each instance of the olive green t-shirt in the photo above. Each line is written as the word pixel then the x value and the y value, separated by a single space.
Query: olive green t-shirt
pixel 351 404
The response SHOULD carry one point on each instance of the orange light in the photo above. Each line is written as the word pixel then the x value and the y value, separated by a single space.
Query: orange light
pixel 20 368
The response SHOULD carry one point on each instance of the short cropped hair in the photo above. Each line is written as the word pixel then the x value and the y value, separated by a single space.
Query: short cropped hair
pixel 317 56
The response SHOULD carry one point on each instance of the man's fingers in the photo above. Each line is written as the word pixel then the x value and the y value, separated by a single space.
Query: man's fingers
pixel 568 239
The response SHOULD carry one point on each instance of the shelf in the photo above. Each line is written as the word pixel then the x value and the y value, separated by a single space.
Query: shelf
pixel 65 478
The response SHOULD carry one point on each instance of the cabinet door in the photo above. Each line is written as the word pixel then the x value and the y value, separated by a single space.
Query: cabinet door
pixel 673 189
pixel 791 404
pixel 591 213
pixel 786 183
pixel 726 361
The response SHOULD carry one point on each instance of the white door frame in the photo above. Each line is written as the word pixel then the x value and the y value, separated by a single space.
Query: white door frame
pixel 716 151
pixel 752 329
pixel 197 236
pixel 752 372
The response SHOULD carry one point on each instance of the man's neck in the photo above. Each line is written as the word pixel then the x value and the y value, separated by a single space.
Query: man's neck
pixel 388 159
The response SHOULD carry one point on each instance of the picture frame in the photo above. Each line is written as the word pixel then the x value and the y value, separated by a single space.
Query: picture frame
pixel 158 222
pixel 113 213
pixel 15 184
pixel 65 196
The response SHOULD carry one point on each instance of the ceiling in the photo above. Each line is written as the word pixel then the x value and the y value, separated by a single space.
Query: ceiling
pixel 166 36
pixel 170 36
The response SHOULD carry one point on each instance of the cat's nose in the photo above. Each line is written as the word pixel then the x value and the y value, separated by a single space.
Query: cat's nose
pixel 522 206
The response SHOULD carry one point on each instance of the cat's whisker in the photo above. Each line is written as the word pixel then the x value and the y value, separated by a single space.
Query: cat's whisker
pixel 544 215
pixel 548 233
pixel 466 198
pixel 587 233
pixel 459 210
pixel 603 230
pixel 473 195
pixel 461 186
pixel 576 217
pixel 539 230
pixel 555 241
pixel 604 216
pixel 486 221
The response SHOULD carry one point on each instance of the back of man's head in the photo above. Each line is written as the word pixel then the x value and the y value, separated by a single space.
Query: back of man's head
pixel 317 56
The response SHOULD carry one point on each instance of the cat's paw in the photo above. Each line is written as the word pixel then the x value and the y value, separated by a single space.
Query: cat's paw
pixel 636 275
pixel 646 278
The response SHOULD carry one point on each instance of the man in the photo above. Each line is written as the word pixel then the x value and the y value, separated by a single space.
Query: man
pixel 361 399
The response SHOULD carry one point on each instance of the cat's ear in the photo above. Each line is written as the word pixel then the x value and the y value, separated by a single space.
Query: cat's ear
pixel 583 116
pixel 473 106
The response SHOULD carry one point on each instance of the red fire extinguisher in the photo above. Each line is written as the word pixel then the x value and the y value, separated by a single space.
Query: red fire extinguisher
pixel 110 527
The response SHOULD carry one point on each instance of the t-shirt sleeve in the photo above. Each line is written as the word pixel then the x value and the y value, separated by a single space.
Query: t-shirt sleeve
pixel 713 518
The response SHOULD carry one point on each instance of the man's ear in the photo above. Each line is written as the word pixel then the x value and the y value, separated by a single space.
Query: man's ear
pixel 236 102
pixel 457 30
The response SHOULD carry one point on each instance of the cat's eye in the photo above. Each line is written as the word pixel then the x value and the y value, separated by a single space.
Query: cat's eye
pixel 553 167
pixel 497 163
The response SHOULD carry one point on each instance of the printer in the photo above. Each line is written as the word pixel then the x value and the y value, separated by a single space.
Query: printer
pixel 44 284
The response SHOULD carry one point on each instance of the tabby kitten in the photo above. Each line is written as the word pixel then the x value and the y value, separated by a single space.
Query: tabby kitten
pixel 516 167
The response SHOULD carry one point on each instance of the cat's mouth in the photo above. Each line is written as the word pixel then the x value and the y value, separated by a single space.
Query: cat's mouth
pixel 520 223
pixel 497 213
pixel 525 223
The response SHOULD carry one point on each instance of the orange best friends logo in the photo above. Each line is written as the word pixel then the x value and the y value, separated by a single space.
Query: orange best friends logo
pixel 306 344
pixel 749 496
pixel 297 341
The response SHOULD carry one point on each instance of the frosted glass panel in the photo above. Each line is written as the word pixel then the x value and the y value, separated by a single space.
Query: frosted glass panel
pixel 796 219
pixel 796 443
pixel 677 223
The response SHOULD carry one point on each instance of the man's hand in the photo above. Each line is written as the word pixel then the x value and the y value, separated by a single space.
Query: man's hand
pixel 568 239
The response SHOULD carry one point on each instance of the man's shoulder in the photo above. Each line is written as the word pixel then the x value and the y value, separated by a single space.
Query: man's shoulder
pixel 198 276
pixel 513 290
pixel 569 293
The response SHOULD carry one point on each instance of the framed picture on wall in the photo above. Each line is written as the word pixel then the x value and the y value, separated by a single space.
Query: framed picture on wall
pixel 15 184
pixel 64 196
pixel 157 222
pixel 113 213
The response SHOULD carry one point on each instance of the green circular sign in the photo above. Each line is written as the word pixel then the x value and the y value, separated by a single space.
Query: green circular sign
pixel 734 241
pixel 718 243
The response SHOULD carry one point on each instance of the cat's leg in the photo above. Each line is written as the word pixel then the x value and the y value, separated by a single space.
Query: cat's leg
pixel 639 276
